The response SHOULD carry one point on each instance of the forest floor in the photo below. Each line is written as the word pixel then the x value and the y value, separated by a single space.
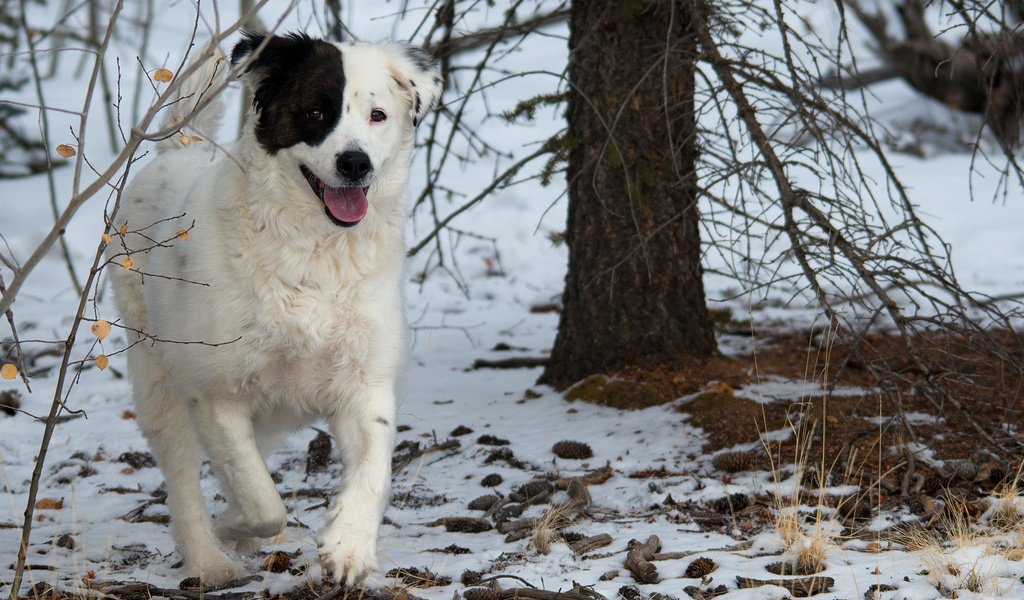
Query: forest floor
pixel 755 481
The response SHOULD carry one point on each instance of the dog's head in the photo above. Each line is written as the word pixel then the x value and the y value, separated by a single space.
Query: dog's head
pixel 342 113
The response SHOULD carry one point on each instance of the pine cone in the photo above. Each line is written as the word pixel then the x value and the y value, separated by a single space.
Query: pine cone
pixel 481 593
pixel 730 504
pixel 532 488
pixel 699 568
pixel 491 480
pixel 734 462
pixel 570 449
pixel 961 469
pixel 483 502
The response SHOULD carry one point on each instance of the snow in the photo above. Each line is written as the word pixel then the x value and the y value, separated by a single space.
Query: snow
pixel 455 321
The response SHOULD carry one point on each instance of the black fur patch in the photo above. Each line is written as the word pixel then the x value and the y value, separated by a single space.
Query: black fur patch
pixel 420 58
pixel 296 75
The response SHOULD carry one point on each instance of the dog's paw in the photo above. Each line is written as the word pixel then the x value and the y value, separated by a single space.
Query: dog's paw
pixel 349 554
pixel 213 568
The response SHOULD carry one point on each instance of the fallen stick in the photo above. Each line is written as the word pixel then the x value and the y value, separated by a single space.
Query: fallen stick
pixel 402 461
pixel 638 560
pixel 595 477
pixel 510 526
pixel 463 524
pixel 520 362
pixel 801 588
pixel 591 543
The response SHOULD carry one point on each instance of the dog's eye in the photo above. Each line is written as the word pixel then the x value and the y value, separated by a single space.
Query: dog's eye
pixel 314 115
pixel 377 115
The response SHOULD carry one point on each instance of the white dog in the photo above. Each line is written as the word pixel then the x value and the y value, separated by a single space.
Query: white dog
pixel 295 258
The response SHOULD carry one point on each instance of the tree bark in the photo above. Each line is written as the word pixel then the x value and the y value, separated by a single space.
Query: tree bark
pixel 634 294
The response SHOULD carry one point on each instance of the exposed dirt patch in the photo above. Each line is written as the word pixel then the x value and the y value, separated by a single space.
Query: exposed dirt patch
pixel 964 401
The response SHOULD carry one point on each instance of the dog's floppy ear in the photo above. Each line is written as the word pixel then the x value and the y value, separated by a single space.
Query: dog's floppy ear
pixel 278 53
pixel 418 75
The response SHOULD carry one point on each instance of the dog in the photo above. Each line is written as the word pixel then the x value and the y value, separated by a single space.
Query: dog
pixel 281 302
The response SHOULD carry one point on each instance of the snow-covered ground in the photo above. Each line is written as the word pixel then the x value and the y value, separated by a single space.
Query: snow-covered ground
pixel 455 322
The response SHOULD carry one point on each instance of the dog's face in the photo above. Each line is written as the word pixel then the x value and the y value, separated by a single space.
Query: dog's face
pixel 339 114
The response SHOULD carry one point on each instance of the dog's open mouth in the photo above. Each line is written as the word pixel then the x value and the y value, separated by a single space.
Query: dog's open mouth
pixel 346 206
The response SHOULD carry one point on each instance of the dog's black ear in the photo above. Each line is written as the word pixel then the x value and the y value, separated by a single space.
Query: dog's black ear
pixel 248 44
pixel 419 76
pixel 278 53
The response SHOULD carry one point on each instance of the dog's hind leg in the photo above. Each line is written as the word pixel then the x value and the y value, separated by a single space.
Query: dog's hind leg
pixel 226 430
pixel 164 421
pixel 266 441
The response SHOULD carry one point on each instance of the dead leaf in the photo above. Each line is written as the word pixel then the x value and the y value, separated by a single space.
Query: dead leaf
pixel 66 151
pixel 106 239
pixel 102 361
pixel 8 371
pixel 128 262
pixel 50 503
pixel 163 75
pixel 100 329
pixel 123 230
pixel 128 415
pixel 195 138
pixel 182 235
pixel 184 139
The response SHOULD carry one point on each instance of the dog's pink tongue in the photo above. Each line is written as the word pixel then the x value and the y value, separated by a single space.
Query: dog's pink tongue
pixel 347 204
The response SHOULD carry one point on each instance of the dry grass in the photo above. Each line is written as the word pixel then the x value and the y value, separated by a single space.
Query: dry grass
pixel 548 530
pixel 962 553
pixel 806 542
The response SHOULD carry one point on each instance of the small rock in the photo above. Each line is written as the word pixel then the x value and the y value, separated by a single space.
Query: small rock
pixel 460 430
pixel 608 575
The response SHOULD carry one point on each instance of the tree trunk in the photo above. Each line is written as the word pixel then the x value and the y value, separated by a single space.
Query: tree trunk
pixel 633 294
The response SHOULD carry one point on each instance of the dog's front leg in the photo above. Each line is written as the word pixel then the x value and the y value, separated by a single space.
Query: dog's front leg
pixel 365 431
pixel 225 426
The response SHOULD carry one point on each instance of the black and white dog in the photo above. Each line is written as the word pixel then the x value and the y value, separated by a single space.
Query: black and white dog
pixel 297 254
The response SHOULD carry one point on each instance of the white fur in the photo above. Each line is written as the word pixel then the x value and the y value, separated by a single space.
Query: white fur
pixel 313 313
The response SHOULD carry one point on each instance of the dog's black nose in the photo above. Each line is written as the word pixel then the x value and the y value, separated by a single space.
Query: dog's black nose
pixel 354 164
